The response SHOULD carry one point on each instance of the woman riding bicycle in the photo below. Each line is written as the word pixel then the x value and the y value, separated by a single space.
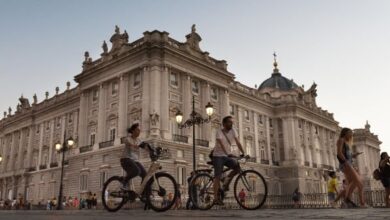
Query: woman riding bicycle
pixel 221 155
pixel 129 158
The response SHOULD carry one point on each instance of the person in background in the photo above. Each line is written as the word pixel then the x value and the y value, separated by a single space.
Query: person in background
pixel 332 188
pixel 384 167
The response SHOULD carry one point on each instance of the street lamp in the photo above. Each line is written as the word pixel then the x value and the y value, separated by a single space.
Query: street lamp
pixel 62 148
pixel 1 158
pixel 195 119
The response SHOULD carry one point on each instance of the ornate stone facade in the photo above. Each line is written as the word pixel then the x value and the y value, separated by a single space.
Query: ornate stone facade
pixel 292 141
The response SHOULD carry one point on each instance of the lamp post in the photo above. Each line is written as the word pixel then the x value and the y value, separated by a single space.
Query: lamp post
pixel 195 119
pixel 1 158
pixel 62 148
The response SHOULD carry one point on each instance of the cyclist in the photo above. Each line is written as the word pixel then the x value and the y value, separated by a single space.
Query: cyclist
pixel 225 138
pixel 129 158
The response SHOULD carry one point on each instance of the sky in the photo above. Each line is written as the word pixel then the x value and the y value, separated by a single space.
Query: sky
pixel 342 46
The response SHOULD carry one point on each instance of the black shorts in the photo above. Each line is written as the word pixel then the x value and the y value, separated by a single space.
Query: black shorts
pixel 219 162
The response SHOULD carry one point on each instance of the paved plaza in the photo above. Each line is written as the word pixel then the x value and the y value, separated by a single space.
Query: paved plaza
pixel 273 214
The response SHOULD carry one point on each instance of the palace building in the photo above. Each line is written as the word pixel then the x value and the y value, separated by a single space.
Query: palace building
pixel 291 140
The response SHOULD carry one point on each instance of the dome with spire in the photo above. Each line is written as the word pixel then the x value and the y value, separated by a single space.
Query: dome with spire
pixel 277 81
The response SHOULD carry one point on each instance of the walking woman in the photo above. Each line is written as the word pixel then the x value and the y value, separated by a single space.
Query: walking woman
pixel 344 156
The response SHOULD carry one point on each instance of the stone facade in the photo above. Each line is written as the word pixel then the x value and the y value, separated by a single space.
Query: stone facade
pixel 291 140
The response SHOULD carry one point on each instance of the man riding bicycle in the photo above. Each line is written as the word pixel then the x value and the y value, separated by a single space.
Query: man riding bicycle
pixel 225 138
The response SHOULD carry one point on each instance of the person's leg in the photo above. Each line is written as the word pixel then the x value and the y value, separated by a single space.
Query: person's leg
pixel 218 168
pixel 339 196
pixel 358 182
pixel 131 168
pixel 234 165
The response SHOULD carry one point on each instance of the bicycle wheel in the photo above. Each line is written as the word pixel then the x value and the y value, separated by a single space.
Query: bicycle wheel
pixel 161 192
pixel 250 190
pixel 113 197
pixel 202 191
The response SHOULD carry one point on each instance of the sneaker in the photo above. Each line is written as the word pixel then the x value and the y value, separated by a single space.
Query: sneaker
pixel 351 204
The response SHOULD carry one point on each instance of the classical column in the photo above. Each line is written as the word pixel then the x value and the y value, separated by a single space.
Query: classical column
pixel 306 143
pixel 145 102
pixel 122 108
pixel 82 122
pixel 257 150
pixel 51 142
pixel 20 150
pixel 12 152
pixel 225 103
pixel 101 116
pixel 268 137
pixel 155 96
pixel 187 104
pixel 40 145
pixel 240 126
pixel 164 101
pixel 206 128
pixel 29 146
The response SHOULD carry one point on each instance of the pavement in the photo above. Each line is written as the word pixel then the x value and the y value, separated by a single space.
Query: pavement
pixel 269 214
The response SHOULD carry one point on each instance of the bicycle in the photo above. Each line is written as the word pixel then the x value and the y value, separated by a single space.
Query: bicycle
pixel 158 189
pixel 251 182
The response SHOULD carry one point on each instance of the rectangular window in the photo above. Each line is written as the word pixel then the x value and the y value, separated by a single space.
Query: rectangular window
pixel 103 178
pixel 137 79
pixel 92 139
pixel 174 80
pixel 84 182
pixel 270 123
pixel 95 95
pixel 70 118
pixel 112 134
pixel 262 153
pixel 246 115
pixel 195 87
pixel 214 93
pixel 181 175
pixel 231 109
pixel 114 88
pixel 249 148
pixel 273 154
pixel 260 119
pixel 180 153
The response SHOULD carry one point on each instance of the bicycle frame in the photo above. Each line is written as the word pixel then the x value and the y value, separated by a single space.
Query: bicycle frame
pixel 154 167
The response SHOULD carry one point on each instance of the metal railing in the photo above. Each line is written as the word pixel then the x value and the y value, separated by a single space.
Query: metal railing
pixel 106 144
pixel 202 143
pixel 314 165
pixel 53 164
pixel 275 163
pixel 262 161
pixel 307 163
pixel 180 138
pixel 85 149
pixel 42 166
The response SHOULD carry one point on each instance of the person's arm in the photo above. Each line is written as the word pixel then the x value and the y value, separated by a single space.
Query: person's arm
pixel 356 154
pixel 238 142
pixel 382 163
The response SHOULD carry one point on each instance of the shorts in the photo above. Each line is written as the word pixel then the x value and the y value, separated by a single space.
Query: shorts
pixel 219 162
pixel 342 166
pixel 331 196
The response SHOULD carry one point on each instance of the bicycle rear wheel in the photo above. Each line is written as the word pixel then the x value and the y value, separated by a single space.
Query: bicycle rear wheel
pixel 250 190
pixel 113 197
pixel 161 192
pixel 202 191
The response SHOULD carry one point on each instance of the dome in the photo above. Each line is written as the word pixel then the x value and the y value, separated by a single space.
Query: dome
pixel 277 81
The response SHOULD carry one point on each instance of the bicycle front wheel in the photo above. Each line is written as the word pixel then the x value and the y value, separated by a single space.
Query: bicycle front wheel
pixel 113 197
pixel 202 191
pixel 250 190
pixel 161 192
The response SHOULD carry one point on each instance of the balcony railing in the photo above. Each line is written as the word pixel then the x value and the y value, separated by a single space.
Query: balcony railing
pixel 180 138
pixel 53 164
pixel 327 167
pixel 106 144
pixel 263 161
pixel 42 166
pixel 275 163
pixel 252 159
pixel 202 143
pixel 307 163
pixel 85 149
pixel 31 169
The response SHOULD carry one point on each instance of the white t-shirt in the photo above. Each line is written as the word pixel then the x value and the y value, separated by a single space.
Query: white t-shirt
pixel 232 135
pixel 131 152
